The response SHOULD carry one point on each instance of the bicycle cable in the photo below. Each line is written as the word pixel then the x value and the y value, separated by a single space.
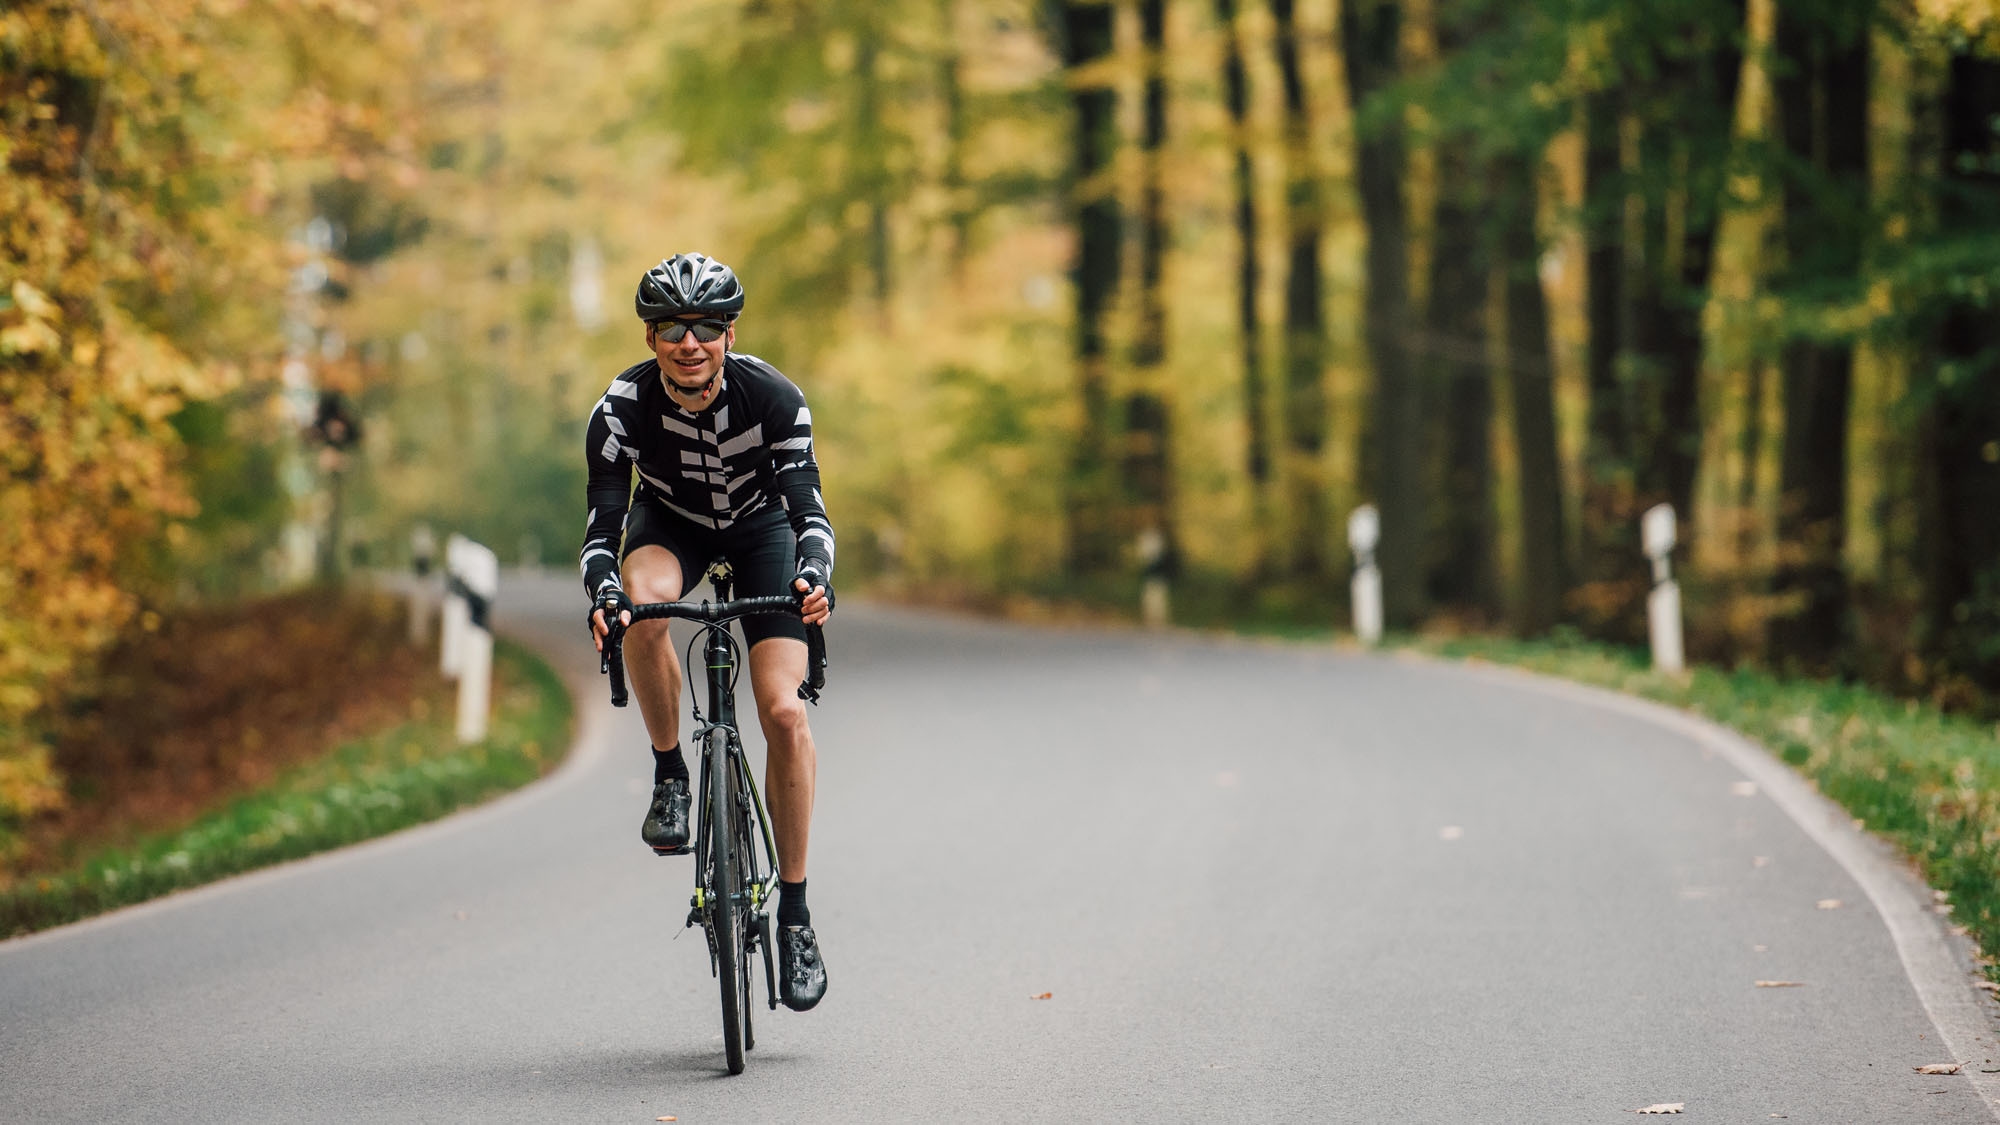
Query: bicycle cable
pixel 687 665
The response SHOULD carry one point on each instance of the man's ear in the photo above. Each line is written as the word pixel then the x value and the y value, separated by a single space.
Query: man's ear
pixel 729 338
pixel 651 330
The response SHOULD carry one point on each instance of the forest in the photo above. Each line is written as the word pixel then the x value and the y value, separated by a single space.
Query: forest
pixel 1081 292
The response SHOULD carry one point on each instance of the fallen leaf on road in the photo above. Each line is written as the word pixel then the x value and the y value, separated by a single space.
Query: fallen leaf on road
pixel 1987 985
pixel 1760 949
pixel 1781 984
pixel 666 1119
pixel 1938 1068
pixel 1744 789
pixel 1450 832
pixel 1828 904
pixel 1759 861
pixel 1663 1107
pixel 1044 996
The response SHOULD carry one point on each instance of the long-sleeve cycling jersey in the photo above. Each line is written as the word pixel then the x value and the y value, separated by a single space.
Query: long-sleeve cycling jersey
pixel 712 467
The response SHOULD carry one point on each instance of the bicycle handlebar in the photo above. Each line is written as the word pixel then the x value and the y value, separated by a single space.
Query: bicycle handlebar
pixel 612 660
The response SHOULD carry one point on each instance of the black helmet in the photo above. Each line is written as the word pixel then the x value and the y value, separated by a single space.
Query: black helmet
pixel 688 283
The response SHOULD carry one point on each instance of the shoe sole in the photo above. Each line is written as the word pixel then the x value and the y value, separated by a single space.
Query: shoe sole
pixel 682 850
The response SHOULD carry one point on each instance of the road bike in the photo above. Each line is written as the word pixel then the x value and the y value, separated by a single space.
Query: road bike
pixel 734 886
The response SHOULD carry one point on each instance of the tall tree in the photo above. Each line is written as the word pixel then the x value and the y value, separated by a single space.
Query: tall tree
pixel 1822 88
pixel 1611 585
pixel 1304 404
pixel 1243 186
pixel 1148 408
pixel 1086 31
pixel 1962 537
pixel 1370 41
pixel 1542 577
pixel 1463 562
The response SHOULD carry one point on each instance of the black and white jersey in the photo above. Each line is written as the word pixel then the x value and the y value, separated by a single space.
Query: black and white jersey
pixel 750 450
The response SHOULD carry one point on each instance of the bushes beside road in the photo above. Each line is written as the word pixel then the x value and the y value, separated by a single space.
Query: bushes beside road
pixel 255 752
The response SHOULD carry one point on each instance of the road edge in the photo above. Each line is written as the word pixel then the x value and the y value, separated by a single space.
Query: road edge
pixel 586 746
pixel 1938 963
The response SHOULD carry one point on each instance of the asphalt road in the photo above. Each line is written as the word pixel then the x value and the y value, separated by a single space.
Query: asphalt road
pixel 1254 882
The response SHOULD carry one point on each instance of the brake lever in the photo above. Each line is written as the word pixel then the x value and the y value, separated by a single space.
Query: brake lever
pixel 815 665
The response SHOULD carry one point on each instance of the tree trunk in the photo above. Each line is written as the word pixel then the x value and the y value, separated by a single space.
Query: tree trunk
pixel 1148 412
pixel 875 173
pixel 1614 582
pixel 1369 37
pixel 1305 405
pixel 951 86
pixel 1823 103
pixel 1087 39
pixel 1964 423
pixel 1542 580
pixel 1257 453
pixel 1463 567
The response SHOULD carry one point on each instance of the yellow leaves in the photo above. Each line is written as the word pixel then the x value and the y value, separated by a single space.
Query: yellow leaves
pixel 28 785
pixel 29 325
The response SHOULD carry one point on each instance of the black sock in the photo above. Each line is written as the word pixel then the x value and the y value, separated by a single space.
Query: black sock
pixel 792 904
pixel 668 765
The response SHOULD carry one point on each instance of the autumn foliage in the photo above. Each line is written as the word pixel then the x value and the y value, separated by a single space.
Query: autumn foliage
pixel 142 258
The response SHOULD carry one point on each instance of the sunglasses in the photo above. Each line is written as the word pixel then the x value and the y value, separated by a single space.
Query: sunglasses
pixel 707 331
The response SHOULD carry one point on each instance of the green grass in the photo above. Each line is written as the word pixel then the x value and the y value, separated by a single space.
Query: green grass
pixel 1928 781
pixel 406 775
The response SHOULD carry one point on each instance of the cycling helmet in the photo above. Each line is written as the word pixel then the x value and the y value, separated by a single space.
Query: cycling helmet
pixel 688 283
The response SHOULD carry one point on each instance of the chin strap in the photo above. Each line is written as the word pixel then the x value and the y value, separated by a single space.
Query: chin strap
pixel 702 392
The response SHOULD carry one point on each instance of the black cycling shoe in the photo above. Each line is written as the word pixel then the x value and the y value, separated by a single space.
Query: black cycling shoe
pixel 666 826
pixel 802 975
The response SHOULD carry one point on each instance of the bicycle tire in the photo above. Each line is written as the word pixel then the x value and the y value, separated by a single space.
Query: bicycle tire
pixel 728 896
pixel 746 870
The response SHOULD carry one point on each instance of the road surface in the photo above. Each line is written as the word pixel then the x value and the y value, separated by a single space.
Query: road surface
pixel 1065 875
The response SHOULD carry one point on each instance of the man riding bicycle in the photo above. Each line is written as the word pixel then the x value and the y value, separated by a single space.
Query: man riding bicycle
pixel 722 443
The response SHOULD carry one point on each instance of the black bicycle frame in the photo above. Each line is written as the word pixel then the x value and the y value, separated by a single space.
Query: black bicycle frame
pixel 719 659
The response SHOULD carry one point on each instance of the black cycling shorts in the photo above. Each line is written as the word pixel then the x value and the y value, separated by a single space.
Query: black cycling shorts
pixel 762 553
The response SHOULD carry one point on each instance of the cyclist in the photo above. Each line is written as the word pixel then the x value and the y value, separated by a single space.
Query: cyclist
pixel 722 443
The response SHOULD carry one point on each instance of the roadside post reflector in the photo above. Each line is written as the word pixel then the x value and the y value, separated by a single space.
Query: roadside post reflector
pixel 479 581
pixel 451 639
pixel 1364 531
pixel 423 554
pixel 1663 604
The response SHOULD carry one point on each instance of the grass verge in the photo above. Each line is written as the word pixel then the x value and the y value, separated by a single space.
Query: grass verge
pixel 1928 781
pixel 404 775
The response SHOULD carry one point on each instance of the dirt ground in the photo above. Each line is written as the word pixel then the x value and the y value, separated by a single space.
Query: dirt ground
pixel 219 701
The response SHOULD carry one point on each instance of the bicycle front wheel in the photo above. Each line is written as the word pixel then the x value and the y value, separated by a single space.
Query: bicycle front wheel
pixel 729 903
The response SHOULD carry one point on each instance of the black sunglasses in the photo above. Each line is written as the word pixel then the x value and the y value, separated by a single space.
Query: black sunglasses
pixel 707 331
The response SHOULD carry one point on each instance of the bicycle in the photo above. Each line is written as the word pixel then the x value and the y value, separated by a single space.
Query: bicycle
pixel 732 896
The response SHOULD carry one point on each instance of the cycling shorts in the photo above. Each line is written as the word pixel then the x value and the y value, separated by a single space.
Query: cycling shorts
pixel 761 549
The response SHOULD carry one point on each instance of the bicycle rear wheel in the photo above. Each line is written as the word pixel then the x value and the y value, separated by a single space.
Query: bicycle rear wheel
pixel 728 906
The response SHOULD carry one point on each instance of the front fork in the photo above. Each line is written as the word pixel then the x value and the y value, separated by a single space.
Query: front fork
pixel 706 894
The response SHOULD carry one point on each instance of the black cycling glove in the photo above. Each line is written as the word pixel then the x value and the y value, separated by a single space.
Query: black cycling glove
pixel 612 601
pixel 814 576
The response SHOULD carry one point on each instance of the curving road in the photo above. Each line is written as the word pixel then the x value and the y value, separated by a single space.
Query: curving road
pixel 1255 882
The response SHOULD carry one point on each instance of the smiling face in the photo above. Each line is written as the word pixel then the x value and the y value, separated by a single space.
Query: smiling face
pixel 689 364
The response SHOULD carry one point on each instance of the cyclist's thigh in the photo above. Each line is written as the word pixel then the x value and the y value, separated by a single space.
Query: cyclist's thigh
pixel 777 668
pixel 662 551
pixel 763 555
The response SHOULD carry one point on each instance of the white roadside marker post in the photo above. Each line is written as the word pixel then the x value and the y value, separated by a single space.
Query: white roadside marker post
pixel 1663 604
pixel 1154 604
pixel 1364 531
pixel 480 581
pixel 423 554
pixel 455 615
